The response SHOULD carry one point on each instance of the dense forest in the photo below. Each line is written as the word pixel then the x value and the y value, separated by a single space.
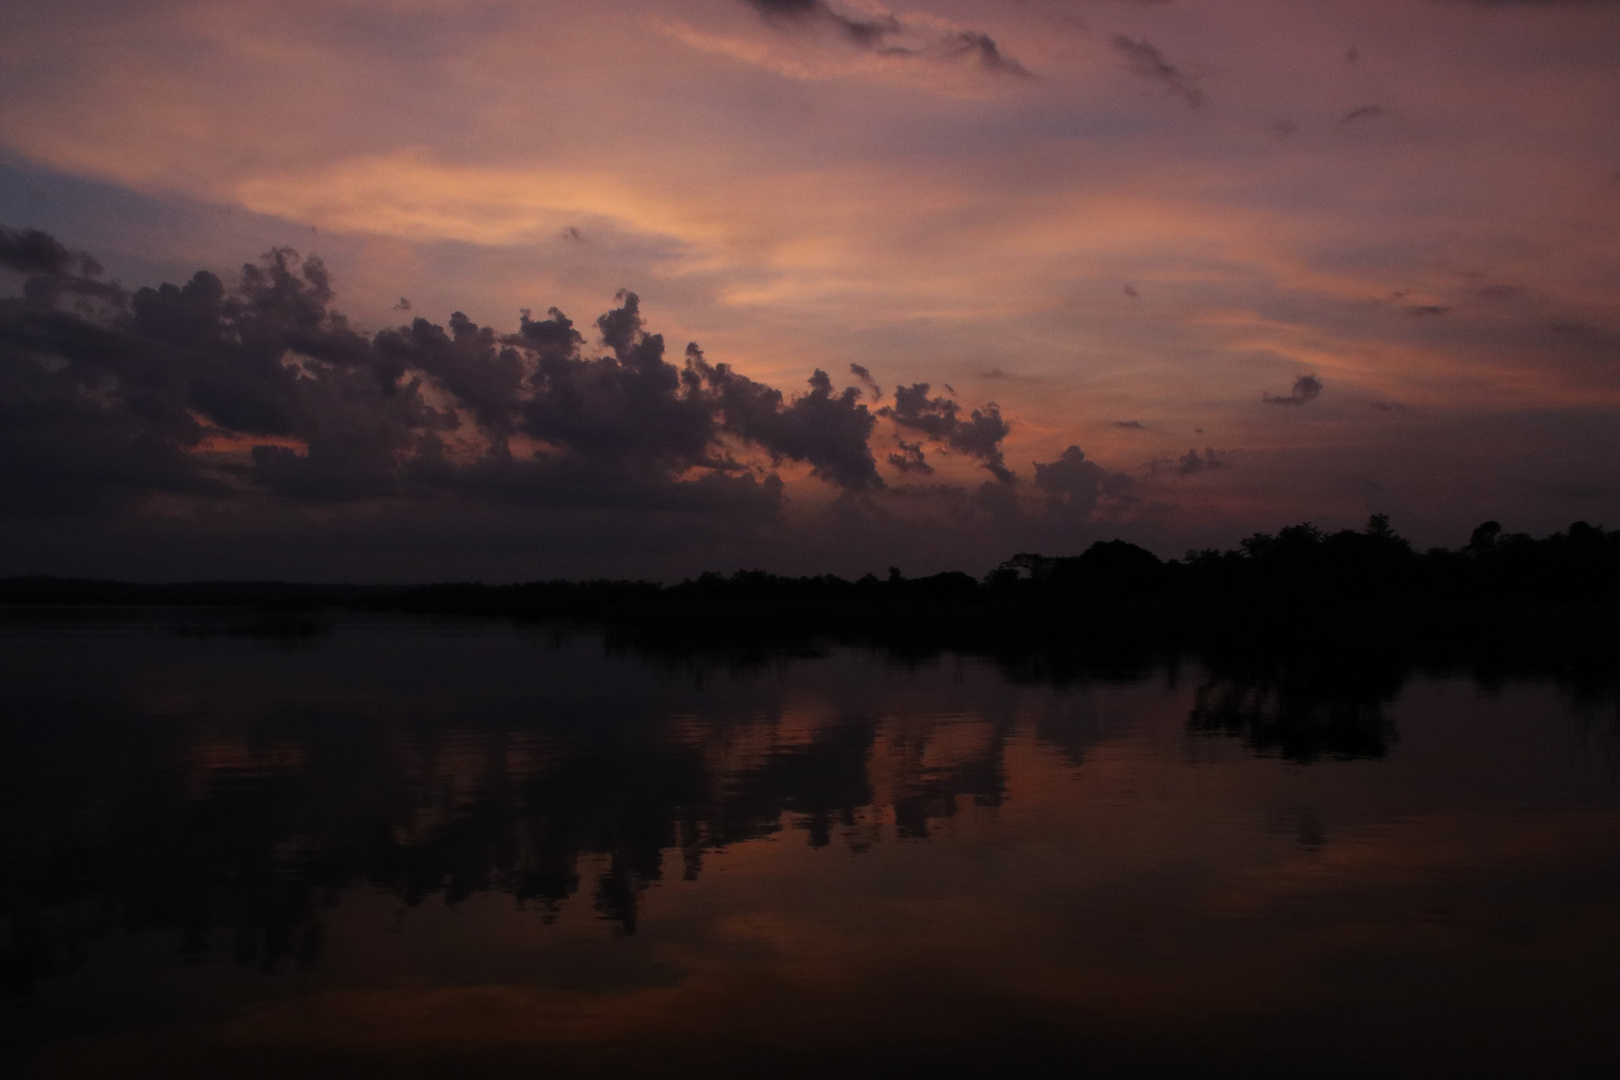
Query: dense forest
pixel 1299 564
pixel 1302 587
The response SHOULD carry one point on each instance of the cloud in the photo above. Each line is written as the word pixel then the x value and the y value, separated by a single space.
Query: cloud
pixel 1306 389
pixel 979 436
pixel 51 271
pixel 1147 61
pixel 865 377
pixel 1074 485
pixel 467 362
pixel 910 458
pixel 1362 113
pixel 887 35
pixel 984 48
pixel 827 429
pixel 1135 425
pixel 868 33
pixel 1191 463
pixel 255 388
pixel 33 252
pixel 245 408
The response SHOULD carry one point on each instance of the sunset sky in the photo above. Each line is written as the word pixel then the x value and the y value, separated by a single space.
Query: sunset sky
pixel 1258 261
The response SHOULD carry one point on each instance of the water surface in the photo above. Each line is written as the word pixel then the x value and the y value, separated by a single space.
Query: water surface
pixel 415 849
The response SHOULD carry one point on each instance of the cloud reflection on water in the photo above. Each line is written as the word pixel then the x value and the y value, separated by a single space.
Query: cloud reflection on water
pixel 733 867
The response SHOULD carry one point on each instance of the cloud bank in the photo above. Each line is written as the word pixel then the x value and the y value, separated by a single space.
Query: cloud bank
pixel 797 187
pixel 213 396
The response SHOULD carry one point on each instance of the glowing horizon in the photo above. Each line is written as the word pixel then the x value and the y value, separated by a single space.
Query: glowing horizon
pixel 1134 227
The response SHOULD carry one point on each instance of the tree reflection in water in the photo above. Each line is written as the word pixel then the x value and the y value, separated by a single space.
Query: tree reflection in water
pixel 235 807
pixel 1302 711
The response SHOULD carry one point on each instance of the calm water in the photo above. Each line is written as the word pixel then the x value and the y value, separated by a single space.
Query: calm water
pixel 408 849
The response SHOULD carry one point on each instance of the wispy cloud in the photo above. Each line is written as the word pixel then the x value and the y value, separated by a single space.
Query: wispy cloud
pixel 1362 113
pixel 1147 61
pixel 1307 388
pixel 888 35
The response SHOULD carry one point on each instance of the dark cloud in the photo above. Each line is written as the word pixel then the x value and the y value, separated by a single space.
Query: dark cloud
pixel 631 412
pixel 239 423
pixel 1074 485
pixel 467 362
pixel 983 48
pixel 866 380
pixel 1191 462
pixel 910 459
pixel 827 429
pixel 1147 61
pixel 1135 425
pixel 51 272
pixel 1576 328
pixel 33 252
pixel 1576 345
pixel 257 388
pixel 1306 389
pixel 359 441
pixel 225 350
pixel 1422 310
pixel 979 436
pixel 1130 291
pixel 879 34
pixel 1361 113
pixel 869 33
pixel 69 442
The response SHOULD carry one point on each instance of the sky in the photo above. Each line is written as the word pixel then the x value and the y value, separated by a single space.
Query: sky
pixel 960 279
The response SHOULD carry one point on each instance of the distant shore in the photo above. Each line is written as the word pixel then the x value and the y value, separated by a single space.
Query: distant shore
pixel 1353 597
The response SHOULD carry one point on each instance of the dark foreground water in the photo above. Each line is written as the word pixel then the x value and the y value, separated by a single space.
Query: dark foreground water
pixel 408 849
